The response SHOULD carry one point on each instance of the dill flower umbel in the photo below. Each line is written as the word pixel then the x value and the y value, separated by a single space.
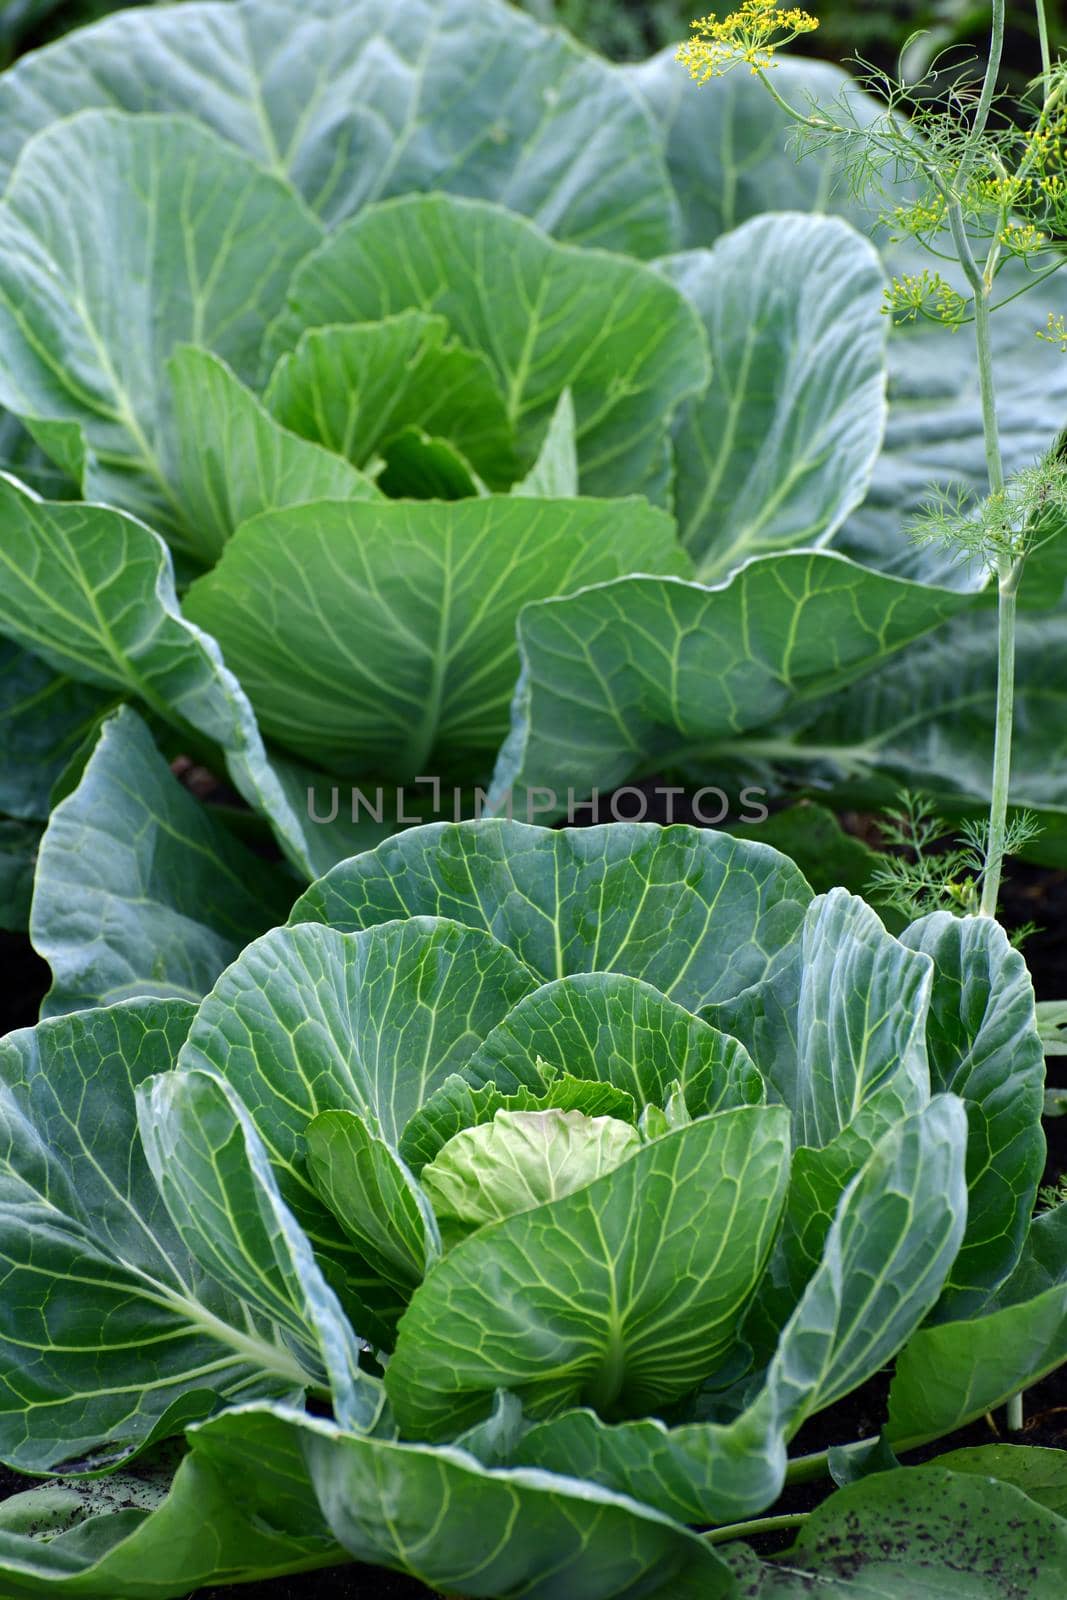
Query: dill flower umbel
pixel 1022 238
pixel 748 36
pixel 1055 331
pixel 924 294
pixel 924 215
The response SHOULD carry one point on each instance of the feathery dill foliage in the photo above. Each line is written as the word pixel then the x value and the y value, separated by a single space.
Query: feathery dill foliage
pixel 938 869
pixel 1009 182
pixel 1051 1195
pixel 978 181
pixel 1013 523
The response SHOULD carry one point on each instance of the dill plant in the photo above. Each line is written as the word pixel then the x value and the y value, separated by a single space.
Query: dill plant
pixel 986 184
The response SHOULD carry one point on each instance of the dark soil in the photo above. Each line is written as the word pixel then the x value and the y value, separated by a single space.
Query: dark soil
pixel 24 979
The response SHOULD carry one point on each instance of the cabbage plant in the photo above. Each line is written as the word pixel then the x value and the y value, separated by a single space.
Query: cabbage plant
pixel 369 406
pixel 504 1216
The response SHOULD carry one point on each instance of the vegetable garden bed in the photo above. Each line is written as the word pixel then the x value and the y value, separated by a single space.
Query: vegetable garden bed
pixel 533 778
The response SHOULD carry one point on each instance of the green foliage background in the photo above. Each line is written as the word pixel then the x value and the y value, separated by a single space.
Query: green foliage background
pixel 628 30
pixel 879 32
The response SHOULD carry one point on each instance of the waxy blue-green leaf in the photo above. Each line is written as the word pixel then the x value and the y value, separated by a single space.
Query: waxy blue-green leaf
pixel 213 1172
pixel 310 1020
pixel 781 446
pixel 546 315
pixel 354 387
pixel 374 1197
pixel 111 1335
pixel 840 1023
pixel 623 1295
pixel 630 676
pixel 920 1533
pixel 888 1252
pixel 380 637
pixel 621 1031
pixel 440 1516
pixel 139 889
pixel 585 899
pixel 861 1004
pixel 91 592
pixel 44 720
pixel 728 146
pixel 954 1372
pixel 1043 1263
pixel 554 475
pixel 926 721
pixel 227 459
pixel 175 237
pixel 828 856
pixel 983 1045
pixel 731 157
pixel 521 1159
pixel 240 1507
pixel 351 102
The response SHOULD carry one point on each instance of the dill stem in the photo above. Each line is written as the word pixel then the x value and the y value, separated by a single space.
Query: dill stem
pixel 982 288
pixel 745 1530
pixel 1046 55
pixel 1007 587
pixel 791 111
pixel 985 98
pixel 1008 572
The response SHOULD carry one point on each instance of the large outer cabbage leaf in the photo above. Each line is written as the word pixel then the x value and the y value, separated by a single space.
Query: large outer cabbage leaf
pixel 697 914
pixel 926 721
pixel 983 1045
pixel 670 673
pixel 91 592
pixel 177 238
pixel 728 145
pixel 379 637
pixel 240 1507
pixel 111 1335
pixel 928 1531
pixel 351 101
pixel 781 446
pixel 139 889
pixel 438 1514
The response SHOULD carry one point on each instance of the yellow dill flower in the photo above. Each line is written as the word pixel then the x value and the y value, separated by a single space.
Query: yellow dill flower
pixel 926 215
pixel 924 294
pixel 748 36
pixel 1055 331
pixel 1022 238
pixel 998 191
